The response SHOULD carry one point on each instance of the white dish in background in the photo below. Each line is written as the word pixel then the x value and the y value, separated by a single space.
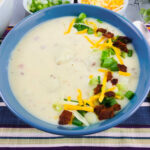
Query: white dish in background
pixel 122 11
pixel 6 9
pixel 26 3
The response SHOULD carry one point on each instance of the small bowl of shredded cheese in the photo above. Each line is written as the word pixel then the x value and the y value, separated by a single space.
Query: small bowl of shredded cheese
pixel 118 6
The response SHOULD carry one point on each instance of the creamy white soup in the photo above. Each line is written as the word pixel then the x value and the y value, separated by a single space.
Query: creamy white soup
pixel 53 71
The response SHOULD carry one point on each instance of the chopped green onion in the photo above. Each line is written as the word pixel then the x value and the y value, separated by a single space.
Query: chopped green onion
pixel 96 50
pixel 109 101
pixel 80 27
pixel 91 93
pixel 142 11
pixel 123 54
pixel 147 19
pixel 82 112
pixel 82 16
pixel 105 54
pixel 90 31
pixel 76 122
pixel 119 93
pixel 66 2
pixel 99 34
pixel 100 21
pixel 121 87
pixel 99 79
pixel 112 52
pixel 130 53
pixel 37 5
pixel 108 62
pixel 114 67
pixel 57 107
pixel 93 81
pixel 129 94
pixel 71 100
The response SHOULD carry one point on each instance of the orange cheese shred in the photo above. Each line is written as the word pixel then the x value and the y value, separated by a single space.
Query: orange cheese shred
pixel 70 26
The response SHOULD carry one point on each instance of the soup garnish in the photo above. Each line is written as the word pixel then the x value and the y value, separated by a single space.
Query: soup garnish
pixel 106 99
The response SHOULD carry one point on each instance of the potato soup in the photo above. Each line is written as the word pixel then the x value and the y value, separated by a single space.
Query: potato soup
pixel 75 71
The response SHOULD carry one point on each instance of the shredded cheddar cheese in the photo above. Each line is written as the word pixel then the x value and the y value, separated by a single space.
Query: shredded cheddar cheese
pixel 117 51
pixel 90 76
pixel 103 88
pixel 111 89
pixel 114 5
pixel 82 32
pixel 89 40
pixel 76 107
pixel 104 70
pixel 99 41
pixel 79 97
pixel 69 98
pixel 94 25
pixel 124 73
pixel 70 26
pixel 117 97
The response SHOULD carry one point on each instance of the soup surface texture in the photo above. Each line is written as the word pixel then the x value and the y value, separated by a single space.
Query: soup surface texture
pixel 48 66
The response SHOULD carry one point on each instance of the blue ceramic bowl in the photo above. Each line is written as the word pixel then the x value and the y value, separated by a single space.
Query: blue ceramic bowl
pixel 12 39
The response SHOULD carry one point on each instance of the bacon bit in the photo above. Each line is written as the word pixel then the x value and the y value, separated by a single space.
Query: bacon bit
pixel 98 109
pixel 109 76
pixel 98 89
pixel 116 107
pixel 124 39
pixel 122 68
pixel 101 30
pixel 110 94
pixel 106 113
pixel 108 35
pixel 65 117
pixel 121 45
pixel 114 81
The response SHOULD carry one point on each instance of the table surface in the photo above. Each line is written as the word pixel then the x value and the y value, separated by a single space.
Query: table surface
pixel 132 12
pixel 134 133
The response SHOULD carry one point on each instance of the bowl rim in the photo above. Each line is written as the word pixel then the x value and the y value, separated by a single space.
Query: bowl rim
pixel 78 132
